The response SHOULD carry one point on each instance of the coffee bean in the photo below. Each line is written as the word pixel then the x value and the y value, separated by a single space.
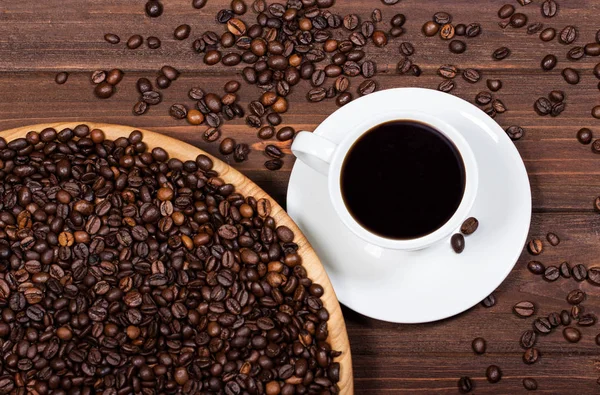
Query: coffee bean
pixel 568 35
pixel 587 320
pixel 565 269
pixel 151 97
pixel 515 132
pixel 469 226
pixel 576 296
pixel 535 27
pixel 565 318
pixel 575 53
pixel 592 49
pixel 143 85
pixel 447 31
pixel 351 21
pixel 478 345
pixel 447 71
pixel 501 53
pixel 572 335
pixel 551 273
pixel 579 272
pixel 153 42
pixel 518 20
pixel 489 301
pixel 556 96
pixel 446 86
pixel 457 46
pixel 594 275
pixel 266 132
pixel 316 95
pixel 483 98
pixel 535 246
pixel 430 28
pixel 473 30
pixel 549 8
pixel 465 385
pixel 493 374
pixel 366 87
pixel 61 78
pixel 524 309
pixel 140 108
pixel 112 38
pixel 458 242
pixel 285 133
pixel 530 384
pixel 182 32
pixel 178 111
pixel 576 312
pixel 548 34
pixel 398 20
pixel 494 85
pixel 154 8
pixel 531 356
pixel 543 106
pixel 554 319
pixel 376 15
pixel 211 134
pixel 506 11
pixel 552 239
pixel 274 164
pixel 596 112
pixel 135 41
pixel 528 339
pixel 548 62
pixel 343 99
pixel 104 90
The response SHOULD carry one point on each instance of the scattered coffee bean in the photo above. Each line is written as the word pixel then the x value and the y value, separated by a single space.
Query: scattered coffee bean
pixel 457 46
pixel 489 301
pixel 568 35
pixel 211 134
pixel 194 117
pixel 153 42
pixel 515 132
pixel 575 53
pixel 548 34
pixel 565 270
pixel 556 96
pixel 572 335
pixel 501 53
pixel 543 106
pixel 112 38
pixel 579 272
pixel 473 30
pixel 534 27
pixel 446 86
pixel 430 28
pixel 576 296
pixel 551 273
pixel 524 309
pixel 343 99
pixel 458 242
pixel 565 318
pixel 506 11
pixel 285 133
pixel 493 374
pixel 447 31
pixel 135 41
pixel 552 239
pixel 528 339
pixel 587 320
pixel 518 20
pixel 469 226
pixel 478 345
pixel 596 112
pixel 530 384
pixel 594 275
pixel 494 85
pixel 178 111
pixel 104 90
pixel 531 356
pixel 483 98
pixel 274 164
pixel 548 62
pixel 61 77
pixel 182 32
pixel 536 267
pixel 465 385
pixel 535 246
pixel 154 8
pixel 549 8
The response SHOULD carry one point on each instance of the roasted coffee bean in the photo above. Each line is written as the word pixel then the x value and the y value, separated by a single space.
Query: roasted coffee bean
pixel 274 119
pixel 144 85
pixel 535 27
pixel 351 21
pixel 178 111
pixel 430 28
pixel 543 106
pixel 154 8
pixel 518 20
pixel 457 46
pixel 266 132
pixel 556 96
pixel 135 41
pixel 572 335
pixel 460 29
pixel 473 30
pixel 112 38
pixel 227 146
pixel 376 15
pixel 554 319
pixel 316 95
pixel 594 275
pixel 535 246
pixel 549 8
pixel 182 32
pixel 152 97
pixel 471 75
pixel 571 76
pixel 596 112
pixel 548 62
pixel 506 11
pixel 548 34
pixel 565 318
pixel 489 301
pixel 469 226
pixel 406 48
pixel 501 53
pixel 140 108
pixel 530 384
pixel 194 117
pixel 274 164
pixel 104 90
pixel 366 87
pixel 343 99
pixel 447 31
pixel 587 320
pixel 446 86
pixel 524 309
pixel 576 312
pixel 568 35
pixel 61 78
pixel 478 345
pixel 542 325
pixel 211 134
pixel 153 42
pixel 285 133
pixel 398 20
pixel 465 385
pixel 552 239
pixel 592 49
pixel 493 374
pixel 367 69
pixel 565 270
pixel 579 272
pixel 483 98
pixel 528 339
pixel 576 296
pixel 162 82
pixel 515 132
pixel 447 71
pixel 575 53
pixel 442 18
pixel 551 273
pixel 457 242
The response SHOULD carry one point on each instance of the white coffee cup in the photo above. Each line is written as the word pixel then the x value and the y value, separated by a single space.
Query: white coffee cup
pixel 328 157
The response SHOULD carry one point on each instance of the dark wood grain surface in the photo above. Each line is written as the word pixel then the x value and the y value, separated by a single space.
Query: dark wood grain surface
pixel 40 38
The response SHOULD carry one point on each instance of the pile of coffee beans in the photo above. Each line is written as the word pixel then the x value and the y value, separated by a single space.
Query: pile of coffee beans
pixel 125 271
pixel 552 105
pixel 106 82
pixel 441 25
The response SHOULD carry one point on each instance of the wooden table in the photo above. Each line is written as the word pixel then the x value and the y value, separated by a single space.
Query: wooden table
pixel 40 38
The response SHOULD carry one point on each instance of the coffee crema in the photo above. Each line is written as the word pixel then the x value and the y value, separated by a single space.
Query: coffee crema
pixel 402 179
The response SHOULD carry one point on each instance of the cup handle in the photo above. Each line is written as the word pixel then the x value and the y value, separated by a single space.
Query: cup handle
pixel 314 150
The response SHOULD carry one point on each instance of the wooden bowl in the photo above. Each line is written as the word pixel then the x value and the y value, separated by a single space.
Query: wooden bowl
pixel 338 338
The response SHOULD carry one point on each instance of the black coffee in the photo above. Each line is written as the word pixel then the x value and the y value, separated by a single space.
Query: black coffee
pixel 402 179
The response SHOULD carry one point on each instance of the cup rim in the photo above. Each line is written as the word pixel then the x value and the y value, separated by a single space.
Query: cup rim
pixel 450 226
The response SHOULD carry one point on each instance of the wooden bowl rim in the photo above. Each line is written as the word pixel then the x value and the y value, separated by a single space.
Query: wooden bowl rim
pixel 338 337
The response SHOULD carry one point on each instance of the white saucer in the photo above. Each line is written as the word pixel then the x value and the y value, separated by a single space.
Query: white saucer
pixel 434 283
